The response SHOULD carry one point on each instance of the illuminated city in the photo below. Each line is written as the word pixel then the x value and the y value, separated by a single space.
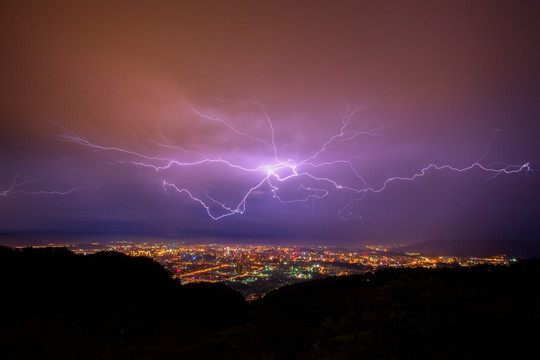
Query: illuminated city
pixel 254 270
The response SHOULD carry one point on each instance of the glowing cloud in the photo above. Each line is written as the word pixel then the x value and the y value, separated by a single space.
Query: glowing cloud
pixel 319 175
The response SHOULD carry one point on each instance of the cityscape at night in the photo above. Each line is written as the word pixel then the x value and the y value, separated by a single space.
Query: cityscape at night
pixel 256 179
pixel 255 270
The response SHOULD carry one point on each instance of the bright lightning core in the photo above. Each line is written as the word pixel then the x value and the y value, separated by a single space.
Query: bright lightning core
pixel 222 185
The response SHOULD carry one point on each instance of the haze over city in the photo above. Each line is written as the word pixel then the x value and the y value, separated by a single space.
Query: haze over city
pixel 343 123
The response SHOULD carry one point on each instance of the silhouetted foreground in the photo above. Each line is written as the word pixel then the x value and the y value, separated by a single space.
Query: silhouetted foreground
pixel 110 306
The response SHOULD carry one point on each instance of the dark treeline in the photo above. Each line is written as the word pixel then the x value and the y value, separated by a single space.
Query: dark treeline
pixel 57 304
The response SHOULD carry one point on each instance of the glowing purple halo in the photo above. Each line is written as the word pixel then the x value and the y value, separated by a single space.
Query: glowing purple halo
pixel 274 174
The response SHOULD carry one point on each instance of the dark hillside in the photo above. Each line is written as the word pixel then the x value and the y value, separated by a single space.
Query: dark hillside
pixel 416 313
pixel 106 305
pixel 57 304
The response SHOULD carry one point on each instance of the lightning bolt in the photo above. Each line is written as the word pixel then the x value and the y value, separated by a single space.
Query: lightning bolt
pixel 273 174
pixel 17 188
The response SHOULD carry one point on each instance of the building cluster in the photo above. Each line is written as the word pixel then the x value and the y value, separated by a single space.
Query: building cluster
pixel 255 270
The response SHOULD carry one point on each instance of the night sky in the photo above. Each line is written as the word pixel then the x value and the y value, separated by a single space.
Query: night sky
pixel 271 121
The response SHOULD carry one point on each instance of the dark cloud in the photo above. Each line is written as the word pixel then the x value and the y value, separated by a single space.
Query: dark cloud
pixel 439 81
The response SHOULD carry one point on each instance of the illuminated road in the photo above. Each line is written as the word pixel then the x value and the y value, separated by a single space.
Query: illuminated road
pixel 204 270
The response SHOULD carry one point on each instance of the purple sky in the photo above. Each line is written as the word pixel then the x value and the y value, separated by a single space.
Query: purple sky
pixel 128 118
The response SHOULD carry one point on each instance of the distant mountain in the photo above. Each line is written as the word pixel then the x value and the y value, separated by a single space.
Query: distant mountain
pixel 18 239
pixel 479 248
